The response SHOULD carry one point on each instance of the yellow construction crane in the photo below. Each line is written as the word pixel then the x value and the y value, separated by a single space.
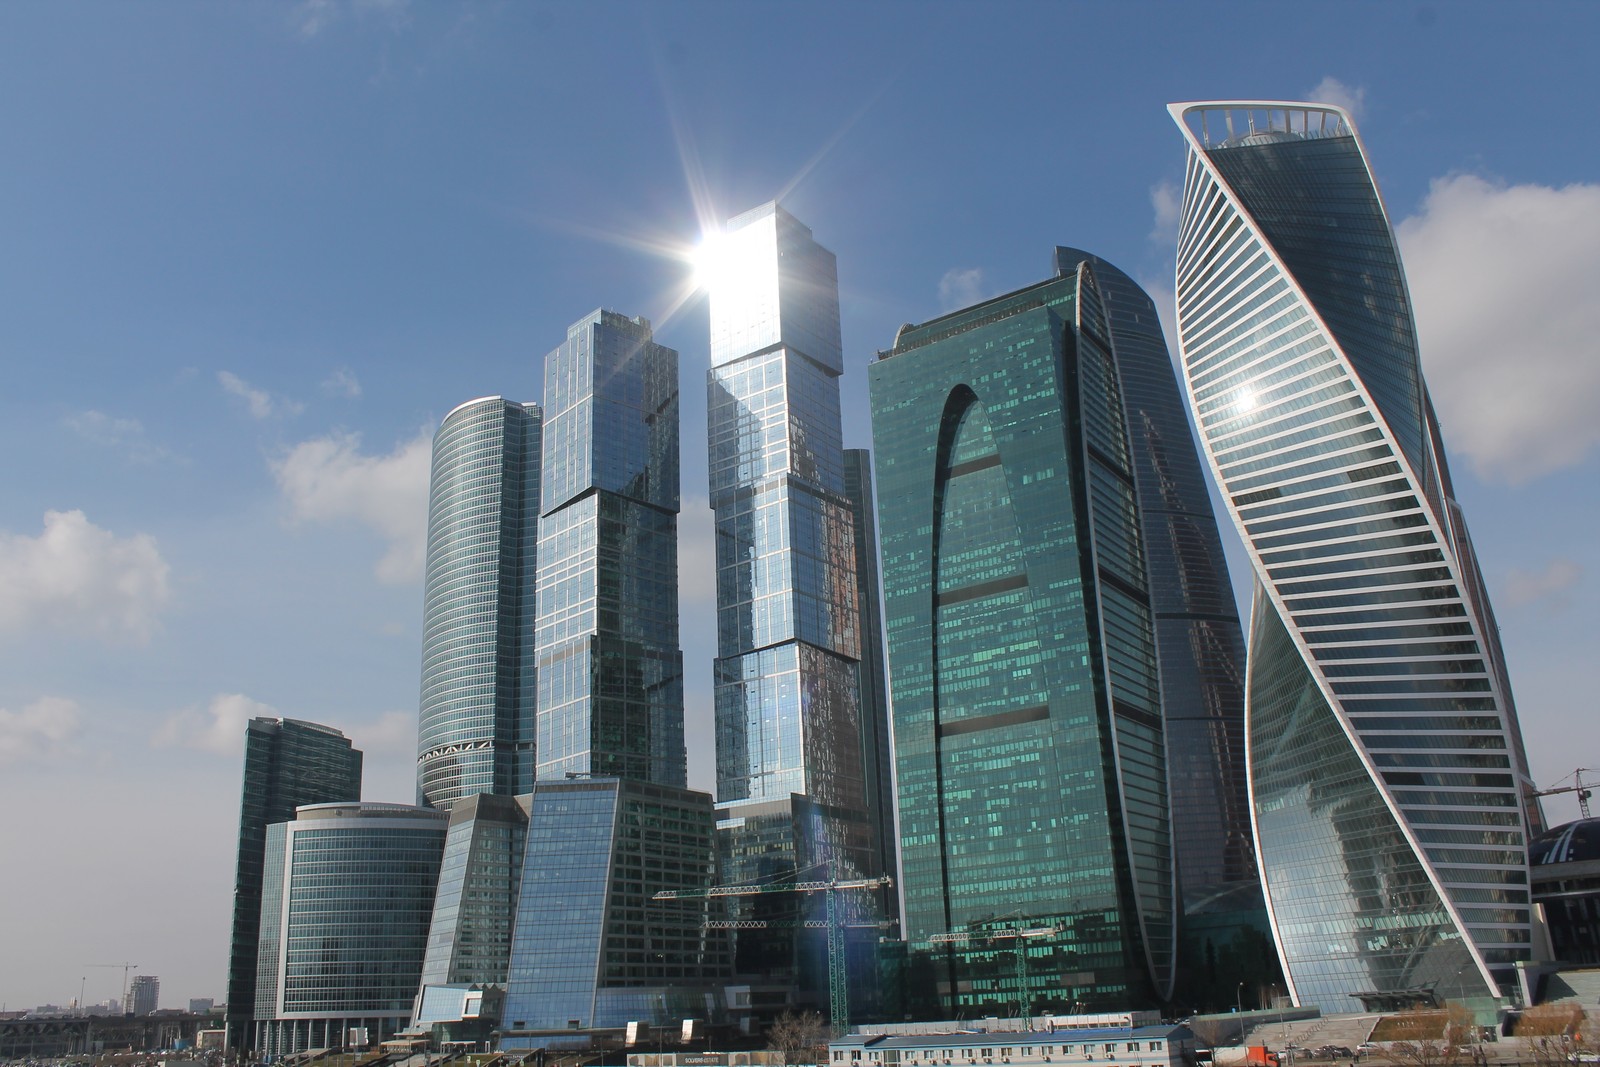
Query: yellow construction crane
pixel 1577 787
pixel 838 973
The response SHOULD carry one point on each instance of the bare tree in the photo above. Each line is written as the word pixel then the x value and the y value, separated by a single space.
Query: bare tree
pixel 797 1036
pixel 1214 1032
pixel 1556 1034
pixel 1431 1038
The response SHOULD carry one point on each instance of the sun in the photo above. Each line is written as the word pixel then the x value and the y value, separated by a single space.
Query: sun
pixel 711 262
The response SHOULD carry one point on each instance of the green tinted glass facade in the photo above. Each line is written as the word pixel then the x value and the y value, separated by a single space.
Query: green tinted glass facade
pixel 287 763
pixel 1028 740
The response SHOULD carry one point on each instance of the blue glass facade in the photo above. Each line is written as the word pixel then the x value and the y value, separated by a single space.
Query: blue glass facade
pixel 1029 744
pixel 287 763
pixel 346 902
pixel 479 679
pixel 610 670
pixel 469 936
pixel 1385 760
pixel 592 949
pixel 787 674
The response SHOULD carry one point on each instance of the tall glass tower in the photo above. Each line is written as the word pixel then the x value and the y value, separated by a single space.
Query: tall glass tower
pixel 1198 637
pixel 287 763
pixel 1386 764
pixel 1036 852
pixel 610 822
pixel 476 730
pixel 610 671
pixel 791 787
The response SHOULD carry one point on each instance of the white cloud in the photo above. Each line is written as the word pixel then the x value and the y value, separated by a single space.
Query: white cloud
pixel 391 733
pixel 82 579
pixel 961 288
pixel 37 730
pixel 1166 200
pixel 1166 301
pixel 127 435
pixel 342 382
pixel 260 403
pixel 218 727
pixel 330 480
pixel 697 554
pixel 1552 583
pixel 1331 90
pixel 1503 279
pixel 310 17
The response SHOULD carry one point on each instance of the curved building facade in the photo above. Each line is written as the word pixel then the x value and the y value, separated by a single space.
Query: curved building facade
pixel 345 906
pixel 479 677
pixel 1036 852
pixel 1385 762
pixel 1198 637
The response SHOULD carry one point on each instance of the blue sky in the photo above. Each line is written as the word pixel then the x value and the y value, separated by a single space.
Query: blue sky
pixel 251 253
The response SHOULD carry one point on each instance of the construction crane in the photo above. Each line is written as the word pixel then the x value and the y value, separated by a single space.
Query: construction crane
pixel 838 973
pixel 126 967
pixel 1577 787
pixel 1009 933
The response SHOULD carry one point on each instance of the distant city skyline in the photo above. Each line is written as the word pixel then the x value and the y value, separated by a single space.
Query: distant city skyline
pixel 256 254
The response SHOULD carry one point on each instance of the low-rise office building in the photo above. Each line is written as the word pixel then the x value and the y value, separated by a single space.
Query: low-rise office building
pixel 1150 1045
pixel 346 899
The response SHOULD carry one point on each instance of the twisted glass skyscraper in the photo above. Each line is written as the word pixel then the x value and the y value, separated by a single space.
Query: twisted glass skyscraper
pixel 1385 761
pixel 476 729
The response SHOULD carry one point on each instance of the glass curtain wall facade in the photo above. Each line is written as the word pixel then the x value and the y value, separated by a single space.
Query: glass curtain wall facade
pixel 1201 648
pixel 1036 853
pixel 610 670
pixel 469 937
pixel 787 681
pixel 476 723
pixel 1385 761
pixel 877 752
pixel 287 763
pixel 346 902
pixel 592 949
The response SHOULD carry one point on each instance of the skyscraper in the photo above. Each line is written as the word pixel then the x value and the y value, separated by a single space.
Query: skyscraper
pixel 346 901
pixel 144 995
pixel 1036 853
pixel 1198 636
pixel 610 671
pixel 877 753
pixel 1201 650
pixel 287 763
pixel 476 723
pixel 610 822
pixel 1386 764
pixel 788 702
